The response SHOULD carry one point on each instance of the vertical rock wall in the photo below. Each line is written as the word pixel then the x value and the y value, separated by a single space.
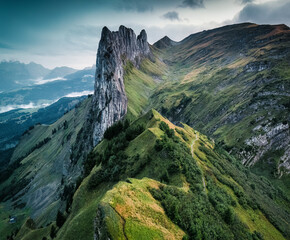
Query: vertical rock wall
pixel 115 49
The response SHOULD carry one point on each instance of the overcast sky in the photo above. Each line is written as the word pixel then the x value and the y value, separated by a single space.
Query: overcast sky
pixel 66 32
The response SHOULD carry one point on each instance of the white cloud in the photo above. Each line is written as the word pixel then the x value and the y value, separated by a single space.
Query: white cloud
pixel 43 81
pixel 23 106
pixel 79 94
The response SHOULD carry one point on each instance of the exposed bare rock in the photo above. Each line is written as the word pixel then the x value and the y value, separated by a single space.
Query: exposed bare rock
pixel 257 66
pixel 115 49
pixel 284 166
pixel 274 138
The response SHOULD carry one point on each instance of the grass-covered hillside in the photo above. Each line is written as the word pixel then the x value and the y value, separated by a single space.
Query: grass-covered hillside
pixel 15 123
pixel 153 180
pixel 43 170
pixel 140 84
pixel 232 83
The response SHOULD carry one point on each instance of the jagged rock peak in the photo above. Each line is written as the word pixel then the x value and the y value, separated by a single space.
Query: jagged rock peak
pixel 125 43
pixel 115 49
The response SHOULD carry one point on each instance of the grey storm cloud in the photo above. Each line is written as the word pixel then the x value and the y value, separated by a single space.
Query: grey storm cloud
pixel 193 3
pixel 268 13
pixel 246 1
pixel 172 16
pixel 22 24
pixel 133 5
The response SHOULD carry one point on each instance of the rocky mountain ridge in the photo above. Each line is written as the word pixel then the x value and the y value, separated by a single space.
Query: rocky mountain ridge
pixel 115 49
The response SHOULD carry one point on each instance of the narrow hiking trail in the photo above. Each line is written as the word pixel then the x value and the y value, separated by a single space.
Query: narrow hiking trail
pixel 191 147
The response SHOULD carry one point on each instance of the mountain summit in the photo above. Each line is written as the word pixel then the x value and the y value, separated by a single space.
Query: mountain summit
pixel 164 43
pixel 115 50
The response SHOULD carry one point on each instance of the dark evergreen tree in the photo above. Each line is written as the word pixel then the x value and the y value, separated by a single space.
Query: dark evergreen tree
pixel 60 219
pixel 52 232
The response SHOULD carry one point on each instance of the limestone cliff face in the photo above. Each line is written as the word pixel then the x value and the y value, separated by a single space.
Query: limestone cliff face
pixel 115 49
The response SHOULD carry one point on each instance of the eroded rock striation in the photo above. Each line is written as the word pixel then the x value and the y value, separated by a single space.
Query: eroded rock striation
pixel 115 49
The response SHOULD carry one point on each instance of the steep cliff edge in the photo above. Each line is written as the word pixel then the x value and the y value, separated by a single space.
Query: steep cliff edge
pixel 115 49
pixel 49 159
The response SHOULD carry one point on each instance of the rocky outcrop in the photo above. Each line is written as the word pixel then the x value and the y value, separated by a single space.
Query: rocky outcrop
pixel 115 49
pixel 273 138
pixel 100 229
pixel 257 66
pixel 106 214
pixel 284 165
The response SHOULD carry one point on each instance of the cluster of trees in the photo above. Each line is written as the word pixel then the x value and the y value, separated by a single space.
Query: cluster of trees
pixel 116 129
pixel 60 220
pixel 65 124
pixel 113 159
pixel 165 128
pixel 192 213
pixel 195 214
pixel 251 191
pixel 201 215
pixel 185 138
pixel 179 157
pixel 53 131
pixel 53 232
pixel 39 144
pixel 6 172
pixel 123 127
pixel 27 130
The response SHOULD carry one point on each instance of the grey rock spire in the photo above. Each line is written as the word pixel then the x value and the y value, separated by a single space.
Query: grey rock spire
pixel 115 49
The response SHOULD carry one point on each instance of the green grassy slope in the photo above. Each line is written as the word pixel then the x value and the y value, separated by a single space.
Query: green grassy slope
pixel 140 83
pixel 138 215
pixel 44 168
pixel 194 173
pixel 29 231
pixel 232 83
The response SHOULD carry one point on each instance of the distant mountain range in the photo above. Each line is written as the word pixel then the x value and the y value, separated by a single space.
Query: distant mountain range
pixel 59 72
pixel 58 83
pixel 14 74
